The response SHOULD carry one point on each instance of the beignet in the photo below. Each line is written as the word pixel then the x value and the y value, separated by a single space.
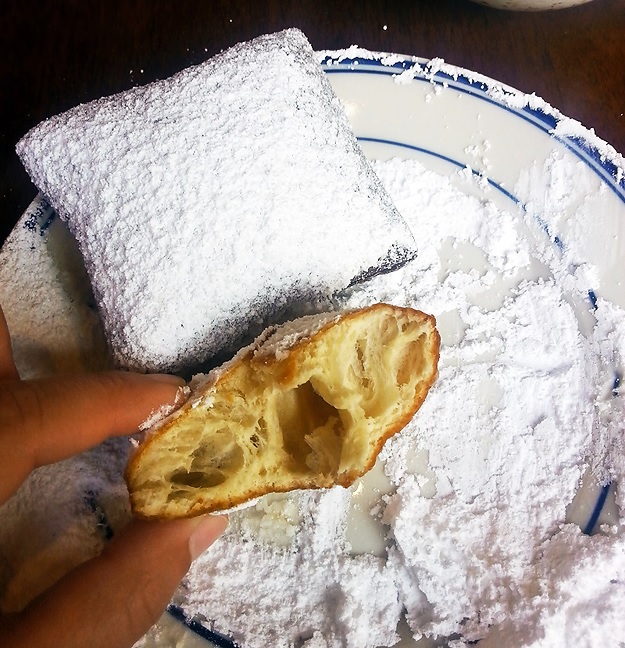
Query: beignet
pixel 308 405
pixel 209 205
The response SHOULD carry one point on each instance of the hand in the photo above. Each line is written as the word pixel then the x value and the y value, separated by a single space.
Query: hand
pixel 112 600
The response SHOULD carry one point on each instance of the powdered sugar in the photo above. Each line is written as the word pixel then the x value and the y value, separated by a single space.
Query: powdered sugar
pixel 465 523
pixel 278 344
pixel 512 421
pixel 344 599
pixel 247 168
pixel 165 410
pixel 522 407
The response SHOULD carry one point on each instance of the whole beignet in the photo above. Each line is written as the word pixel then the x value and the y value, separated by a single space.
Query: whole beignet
pixel 308 405
pixel 209 205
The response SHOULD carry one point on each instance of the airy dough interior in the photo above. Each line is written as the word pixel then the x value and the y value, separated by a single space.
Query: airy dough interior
pixel 312 417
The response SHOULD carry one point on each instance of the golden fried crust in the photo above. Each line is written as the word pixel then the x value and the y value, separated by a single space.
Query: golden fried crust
pixel 309 405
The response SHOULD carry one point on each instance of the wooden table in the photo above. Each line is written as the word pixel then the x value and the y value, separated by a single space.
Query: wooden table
pixel 57 53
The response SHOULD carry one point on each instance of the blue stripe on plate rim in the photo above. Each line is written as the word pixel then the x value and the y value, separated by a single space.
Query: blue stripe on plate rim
pixel 462 81
pixel 199 629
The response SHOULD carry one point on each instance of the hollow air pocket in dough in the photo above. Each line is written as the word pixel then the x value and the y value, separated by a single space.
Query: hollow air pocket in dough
pixel 308 405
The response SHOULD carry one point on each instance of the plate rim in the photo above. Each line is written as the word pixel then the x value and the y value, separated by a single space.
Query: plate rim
pixel 598 154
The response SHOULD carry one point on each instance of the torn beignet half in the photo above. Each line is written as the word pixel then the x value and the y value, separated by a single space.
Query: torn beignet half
pixel 308 405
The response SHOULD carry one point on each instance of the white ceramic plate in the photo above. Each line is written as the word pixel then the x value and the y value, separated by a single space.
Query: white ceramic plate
pixel 405 107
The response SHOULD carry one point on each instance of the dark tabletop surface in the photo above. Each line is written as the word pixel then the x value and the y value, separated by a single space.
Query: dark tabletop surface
pixel 58 53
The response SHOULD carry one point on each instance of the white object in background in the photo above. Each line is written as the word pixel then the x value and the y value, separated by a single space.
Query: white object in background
pixel 530 5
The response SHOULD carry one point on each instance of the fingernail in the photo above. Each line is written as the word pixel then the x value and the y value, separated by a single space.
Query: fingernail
pixel 165 378
pixel 207 529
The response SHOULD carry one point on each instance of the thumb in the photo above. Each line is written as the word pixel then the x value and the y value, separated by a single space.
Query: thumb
pixel 112 600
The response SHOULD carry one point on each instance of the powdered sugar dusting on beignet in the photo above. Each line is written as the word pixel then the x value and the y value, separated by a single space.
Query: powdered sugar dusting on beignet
pixel 230 196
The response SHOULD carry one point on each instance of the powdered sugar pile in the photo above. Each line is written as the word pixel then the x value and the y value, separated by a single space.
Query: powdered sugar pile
pixel 309 588
pixel 476 489
pixel 464 521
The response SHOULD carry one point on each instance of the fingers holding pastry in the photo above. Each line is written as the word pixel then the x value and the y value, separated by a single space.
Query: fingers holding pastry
pixel 43 421
pixel 112 600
